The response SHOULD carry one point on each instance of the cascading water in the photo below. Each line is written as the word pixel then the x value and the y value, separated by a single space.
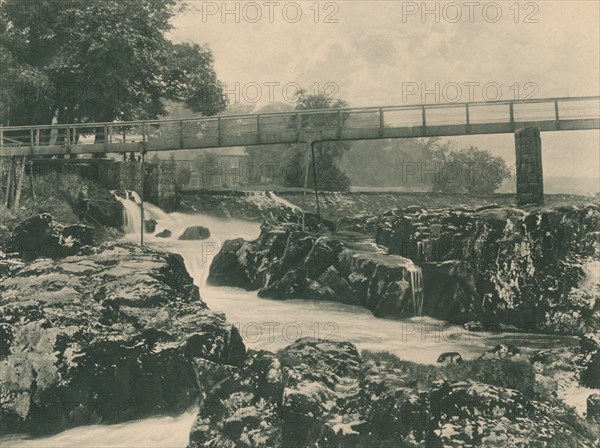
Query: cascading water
pixel 273 324
pixel 416 286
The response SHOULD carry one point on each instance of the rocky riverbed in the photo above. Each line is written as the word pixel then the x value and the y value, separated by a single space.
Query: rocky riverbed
pixel 105 334
pixel 117 332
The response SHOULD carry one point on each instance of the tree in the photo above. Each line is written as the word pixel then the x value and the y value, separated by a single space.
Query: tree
pixel 101 61
pixel 329 175
pixel 470 170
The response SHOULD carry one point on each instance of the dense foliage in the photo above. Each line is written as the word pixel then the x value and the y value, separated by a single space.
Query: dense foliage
pixel 97 62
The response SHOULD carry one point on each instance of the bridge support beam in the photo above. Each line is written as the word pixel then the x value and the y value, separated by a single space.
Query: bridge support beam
pixel 530 179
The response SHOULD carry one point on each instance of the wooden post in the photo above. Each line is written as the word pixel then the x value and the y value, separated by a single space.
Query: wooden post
pixel 511 111
pixel 381 122
pixel 424 119
pixel 556 114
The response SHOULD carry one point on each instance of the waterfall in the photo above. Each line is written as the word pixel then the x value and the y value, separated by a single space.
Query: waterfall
pixel 416 286
pixel 132 214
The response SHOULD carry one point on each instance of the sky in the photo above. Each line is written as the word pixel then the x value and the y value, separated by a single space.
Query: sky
pixel 380 53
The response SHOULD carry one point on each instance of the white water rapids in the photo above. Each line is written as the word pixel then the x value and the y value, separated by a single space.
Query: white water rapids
pixel 273 324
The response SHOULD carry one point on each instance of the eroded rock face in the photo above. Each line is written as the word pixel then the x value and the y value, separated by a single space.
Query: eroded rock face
pixel 288 262
pixel 103 338
pixel 41 236
pixel 318 393
pixel 503 265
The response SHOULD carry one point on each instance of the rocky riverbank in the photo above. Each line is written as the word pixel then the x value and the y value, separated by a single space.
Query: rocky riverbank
pixel 104 334
pixel 324 393
pixel 496 266
pixel 114 332
pixel 534 269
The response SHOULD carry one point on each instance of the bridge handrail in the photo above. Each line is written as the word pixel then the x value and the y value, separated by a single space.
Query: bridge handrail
pixel 422 106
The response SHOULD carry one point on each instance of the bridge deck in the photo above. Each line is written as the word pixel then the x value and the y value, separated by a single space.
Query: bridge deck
pixel 427 120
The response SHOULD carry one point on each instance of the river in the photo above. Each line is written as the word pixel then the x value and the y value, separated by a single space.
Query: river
pixel 272 324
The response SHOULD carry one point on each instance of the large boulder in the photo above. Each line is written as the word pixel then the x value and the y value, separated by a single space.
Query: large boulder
pixel 195 233
pixel 41 236
pixel 166 233
pixel 104 338
pixel 150 225
pixel 525 268
pixel 287 262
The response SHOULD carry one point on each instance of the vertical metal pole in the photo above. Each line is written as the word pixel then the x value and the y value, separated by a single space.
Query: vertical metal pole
pixel 142 167
pixel 314 164
pixel 105 138
pixel 142 196
pixel 258 137
pixel 181 141
pixel 308 145
pixel 220 131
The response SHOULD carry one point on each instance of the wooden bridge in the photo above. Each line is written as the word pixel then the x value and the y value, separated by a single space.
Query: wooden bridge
pixel 407 121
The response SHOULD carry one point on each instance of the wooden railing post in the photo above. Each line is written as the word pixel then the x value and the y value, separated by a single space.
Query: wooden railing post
pixel 381 122
pixel 511 111
pixel 556 114
pixel 339 124
pixel 424 119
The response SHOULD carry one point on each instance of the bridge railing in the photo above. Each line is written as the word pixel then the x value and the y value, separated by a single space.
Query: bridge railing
pixel 289 127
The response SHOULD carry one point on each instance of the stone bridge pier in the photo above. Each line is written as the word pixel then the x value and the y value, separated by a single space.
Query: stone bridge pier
pixel 530 179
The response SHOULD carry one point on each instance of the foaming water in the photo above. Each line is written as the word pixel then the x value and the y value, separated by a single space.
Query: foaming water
pixel 273 324
pixel 156 432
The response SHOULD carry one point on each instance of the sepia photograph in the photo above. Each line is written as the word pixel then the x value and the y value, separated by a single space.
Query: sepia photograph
pixel 299 224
